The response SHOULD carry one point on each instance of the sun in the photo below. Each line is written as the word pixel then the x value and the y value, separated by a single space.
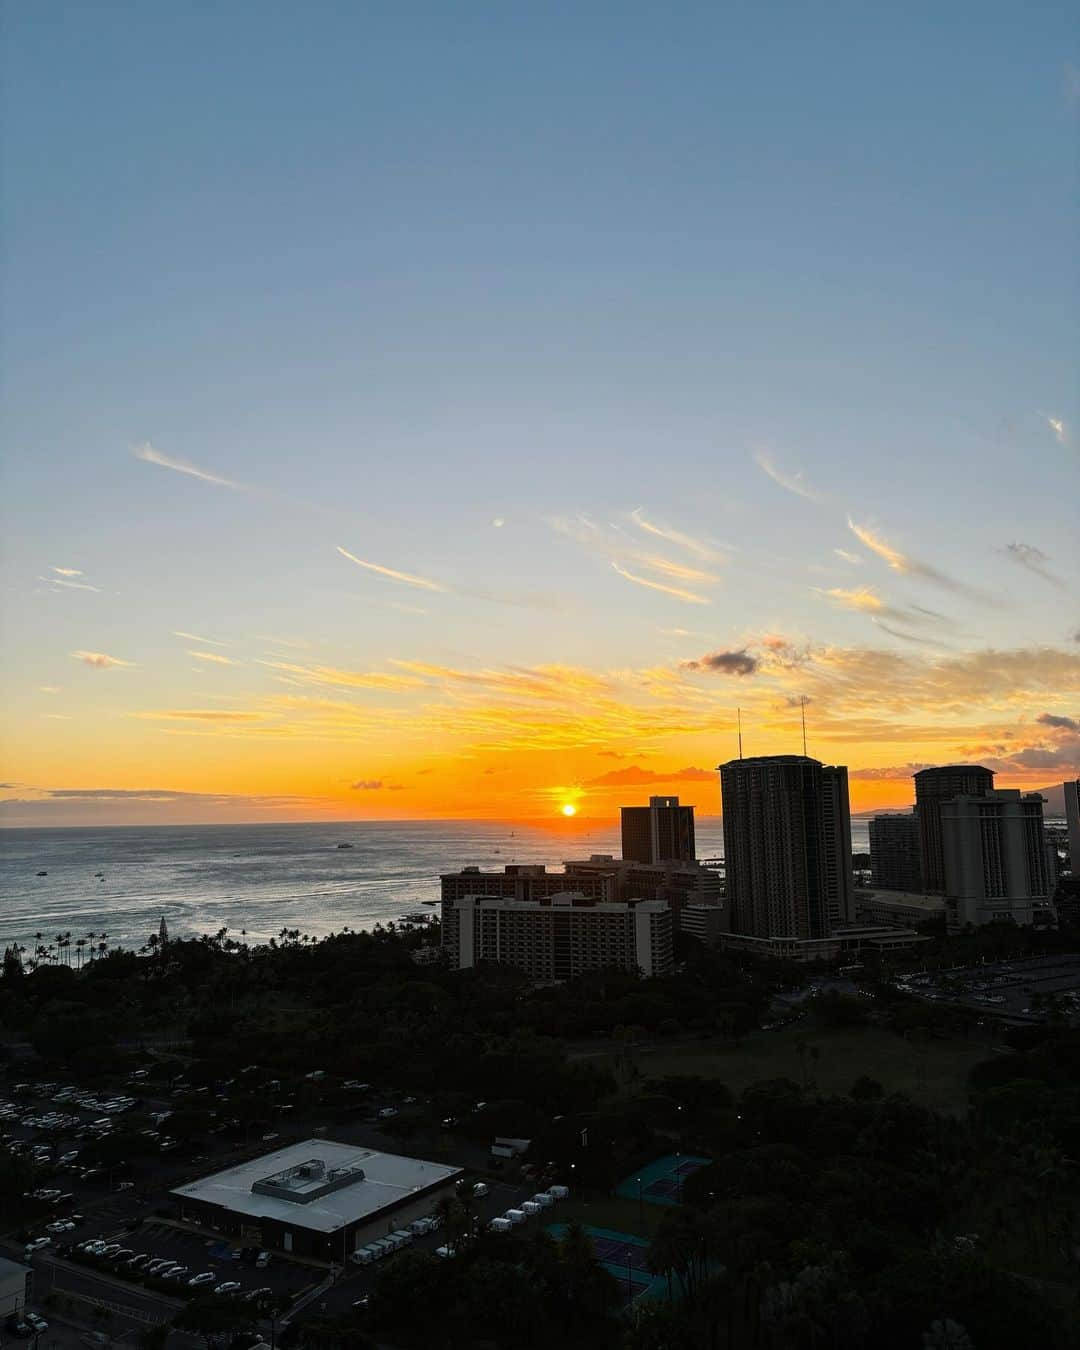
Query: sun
pixel 569 809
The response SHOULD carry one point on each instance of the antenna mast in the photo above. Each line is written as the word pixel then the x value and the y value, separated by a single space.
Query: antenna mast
pixel 740 732
pixel 802 709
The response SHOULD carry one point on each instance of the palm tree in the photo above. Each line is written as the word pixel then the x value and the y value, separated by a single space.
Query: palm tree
pixel 80 944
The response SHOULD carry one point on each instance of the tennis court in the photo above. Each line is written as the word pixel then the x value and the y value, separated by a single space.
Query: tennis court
pixel 660 1182
pixel 623 1256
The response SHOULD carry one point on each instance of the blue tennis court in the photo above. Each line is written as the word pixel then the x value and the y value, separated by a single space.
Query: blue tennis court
pixel 623 1256
pixel 660 1182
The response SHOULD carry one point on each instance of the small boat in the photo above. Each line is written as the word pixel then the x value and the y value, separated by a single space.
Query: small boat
pixel 100 875
pixel 344 845
pixel 43 874
pixel 429 902
pixel 416 917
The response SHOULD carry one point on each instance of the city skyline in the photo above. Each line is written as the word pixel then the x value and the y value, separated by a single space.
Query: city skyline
pixel 471 425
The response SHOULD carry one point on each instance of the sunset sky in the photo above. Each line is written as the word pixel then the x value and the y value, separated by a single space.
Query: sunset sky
pixel 424 409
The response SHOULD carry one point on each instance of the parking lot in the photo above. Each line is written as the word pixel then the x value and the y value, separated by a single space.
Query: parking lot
pixel 1022 991
pixel 191 1256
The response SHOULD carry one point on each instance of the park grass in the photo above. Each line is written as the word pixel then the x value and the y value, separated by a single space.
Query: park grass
pixel 933 1074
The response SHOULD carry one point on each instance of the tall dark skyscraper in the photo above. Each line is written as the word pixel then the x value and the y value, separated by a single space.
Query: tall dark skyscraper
pixel 787 846
pixel 894 852
pixel 663 831
pixel 933 787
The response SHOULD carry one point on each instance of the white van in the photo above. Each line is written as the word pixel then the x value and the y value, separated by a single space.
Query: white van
pixel 402 1237
pixel 501 1225
pixel 515 1215
pixel 531 1207
pixel 558 1192
pixel 544 1199
pixel 363 1256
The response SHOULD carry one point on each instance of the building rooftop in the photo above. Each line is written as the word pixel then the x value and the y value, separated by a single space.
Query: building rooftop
pixel 9 1268
pixel 317 1184
pixel 914 899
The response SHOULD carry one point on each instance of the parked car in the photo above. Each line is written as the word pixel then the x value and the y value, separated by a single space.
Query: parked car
pixel 35 1244
pixel 228 1287
pixel 262 1260
pixel 37 1324
pixel 197 1281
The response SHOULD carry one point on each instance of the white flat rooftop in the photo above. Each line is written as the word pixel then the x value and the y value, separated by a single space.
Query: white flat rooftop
pixel 388 1178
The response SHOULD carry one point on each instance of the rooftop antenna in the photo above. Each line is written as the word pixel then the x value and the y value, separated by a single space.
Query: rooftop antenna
pixel 802 709
pixel 740 732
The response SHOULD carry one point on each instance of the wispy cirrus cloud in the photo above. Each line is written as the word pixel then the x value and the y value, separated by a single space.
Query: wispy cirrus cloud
pixel 790 482
pixel 49 688
pixel 422 583
pixel 200 715
pixel 64 576
pixel 1034 559
pixel 347 679
pixel 149 455
pixel 865 600
pixel 100 660
pixel 688 597
pixel 908 566
pixel 635 776
pixel 847 556
pixel 700 548
pixel 376 785
pixel 202 641
pixel 214 658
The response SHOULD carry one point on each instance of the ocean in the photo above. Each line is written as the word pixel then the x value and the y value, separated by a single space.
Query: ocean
pixel 256 880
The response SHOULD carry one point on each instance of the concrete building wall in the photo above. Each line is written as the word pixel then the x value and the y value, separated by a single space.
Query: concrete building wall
pixel 663 831
pixel 16 1287
pixel 994 849
pixel 934 787
pixel 564 938
pixel 1072 815
pixel 894 852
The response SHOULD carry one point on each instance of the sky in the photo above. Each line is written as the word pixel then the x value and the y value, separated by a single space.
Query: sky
pixel 423 410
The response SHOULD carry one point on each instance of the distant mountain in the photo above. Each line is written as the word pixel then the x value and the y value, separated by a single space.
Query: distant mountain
pixel 1055 799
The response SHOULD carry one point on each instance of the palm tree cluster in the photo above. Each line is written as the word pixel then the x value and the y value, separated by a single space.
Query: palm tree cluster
pixel 61 950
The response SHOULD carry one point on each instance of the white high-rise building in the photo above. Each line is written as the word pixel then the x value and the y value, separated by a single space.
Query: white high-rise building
pixel 560 937
pixel 994 850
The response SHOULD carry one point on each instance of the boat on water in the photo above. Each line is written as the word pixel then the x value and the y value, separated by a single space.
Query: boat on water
pixel 43 874
pixel 429 902
pixel 344 845
pixel 416 916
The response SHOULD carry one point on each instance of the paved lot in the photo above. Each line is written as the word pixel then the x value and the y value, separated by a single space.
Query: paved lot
pixel 1006 990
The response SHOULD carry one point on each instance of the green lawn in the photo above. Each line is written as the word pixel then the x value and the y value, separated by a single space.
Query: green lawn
pixel 934 1076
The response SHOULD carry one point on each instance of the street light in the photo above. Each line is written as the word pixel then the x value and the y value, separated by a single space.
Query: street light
pixel 640 1210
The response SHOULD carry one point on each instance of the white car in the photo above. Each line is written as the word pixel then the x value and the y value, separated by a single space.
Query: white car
pixel 229 1287
pixel 197 1281
pixel 38 1323
pixel 35 1244
pixel 387 1112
